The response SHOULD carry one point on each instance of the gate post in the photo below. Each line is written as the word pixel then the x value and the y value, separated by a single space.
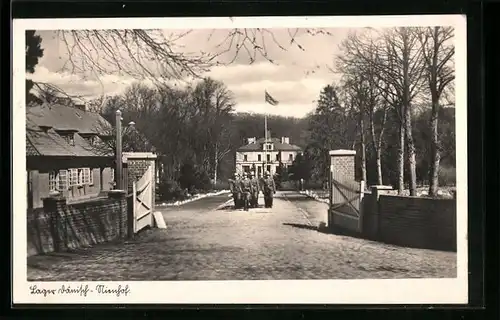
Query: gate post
pixel 342 168
pixel 374 228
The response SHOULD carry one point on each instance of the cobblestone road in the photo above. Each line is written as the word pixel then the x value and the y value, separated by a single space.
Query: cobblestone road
pixel 204 242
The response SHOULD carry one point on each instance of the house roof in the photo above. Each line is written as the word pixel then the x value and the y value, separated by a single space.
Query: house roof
pixel 44 121
pixel 61 117
pixel 258 146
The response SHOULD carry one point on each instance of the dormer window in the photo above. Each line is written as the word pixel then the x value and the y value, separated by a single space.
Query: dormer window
pixel 268 146
pixel 67 135
pixel 91 139
pixel 70 138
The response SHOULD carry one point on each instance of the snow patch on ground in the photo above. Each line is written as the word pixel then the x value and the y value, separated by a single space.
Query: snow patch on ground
pixel 192 198
pixel 321 197
pixel 443 193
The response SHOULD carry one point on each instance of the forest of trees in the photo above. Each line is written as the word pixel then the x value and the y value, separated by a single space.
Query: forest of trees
pixel 392 105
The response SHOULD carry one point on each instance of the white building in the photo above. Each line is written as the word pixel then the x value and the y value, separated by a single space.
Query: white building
pixel 259 156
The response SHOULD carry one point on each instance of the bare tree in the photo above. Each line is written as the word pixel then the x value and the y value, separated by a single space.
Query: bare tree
pixel 398 66
pixel 157 55
pixel 440 73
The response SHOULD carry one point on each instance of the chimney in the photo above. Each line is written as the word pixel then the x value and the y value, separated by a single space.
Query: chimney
pixel 251 140
pixel 285 140
pixel 81 106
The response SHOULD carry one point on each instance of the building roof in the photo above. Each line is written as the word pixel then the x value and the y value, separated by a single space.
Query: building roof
pixel 278 146
pixel 44 121
pixel 62 117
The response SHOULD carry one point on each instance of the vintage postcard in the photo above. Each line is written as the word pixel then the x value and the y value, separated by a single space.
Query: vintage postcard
pixel 269 160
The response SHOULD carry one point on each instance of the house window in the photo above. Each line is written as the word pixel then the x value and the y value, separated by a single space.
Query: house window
pixel 63 180
pixel 268 146
pixel 53 181
pixel 73 177
pixel 290 157
pixel 87 176
pixel 278 157
pixel 91 140
pixel 259 157
pixel 268 169
pixel 268 158
pixel 70 138
pixel 245 158
pixel 246 169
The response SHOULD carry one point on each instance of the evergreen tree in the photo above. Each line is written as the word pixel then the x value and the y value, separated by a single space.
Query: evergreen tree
pixel 34 52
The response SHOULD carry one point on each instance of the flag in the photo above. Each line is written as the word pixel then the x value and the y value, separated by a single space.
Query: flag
pixel 271 100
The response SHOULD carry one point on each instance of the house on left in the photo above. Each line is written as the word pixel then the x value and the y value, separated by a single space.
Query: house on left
pixel 67 153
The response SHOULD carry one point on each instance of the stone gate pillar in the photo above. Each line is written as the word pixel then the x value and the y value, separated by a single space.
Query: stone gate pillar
pixel 343 170
pixel 343 164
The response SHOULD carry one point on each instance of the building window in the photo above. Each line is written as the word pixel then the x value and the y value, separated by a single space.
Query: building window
pixel 63 180
pixel 246 169
pixel 245 158
pixel 87 176
pixel 268 146
pixel 278 157
pixel 268 158
pixel 91 140
pixel 53 181
pixel 259 157
pixel 70 138
pixel 73 177
pixel 268 169
pixel 290 157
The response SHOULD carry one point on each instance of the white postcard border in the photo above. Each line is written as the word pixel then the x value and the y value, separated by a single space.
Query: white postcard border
pixel 404 291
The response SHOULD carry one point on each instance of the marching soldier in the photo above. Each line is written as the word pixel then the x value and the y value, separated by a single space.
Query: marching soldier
pixel 238 191
pixel 255 190
pixel 246 190
pixel 269 189
pixel 235 188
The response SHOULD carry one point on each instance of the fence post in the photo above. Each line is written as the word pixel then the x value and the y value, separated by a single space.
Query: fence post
pixel 361 213
pixel 54 205
pixel 377 191
pixel 123 217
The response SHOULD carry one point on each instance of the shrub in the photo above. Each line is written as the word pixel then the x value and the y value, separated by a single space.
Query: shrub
pixel 447 176
pixel 170 190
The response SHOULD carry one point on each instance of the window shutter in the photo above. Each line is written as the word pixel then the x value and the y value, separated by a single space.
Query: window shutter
pixel 91 176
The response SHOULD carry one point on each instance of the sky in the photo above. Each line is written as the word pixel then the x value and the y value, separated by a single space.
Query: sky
pixel 295 78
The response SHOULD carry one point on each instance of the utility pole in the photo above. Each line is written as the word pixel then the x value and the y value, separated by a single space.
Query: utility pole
pixel 119 164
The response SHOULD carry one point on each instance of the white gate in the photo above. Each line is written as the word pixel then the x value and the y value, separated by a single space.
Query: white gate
pixel 142 193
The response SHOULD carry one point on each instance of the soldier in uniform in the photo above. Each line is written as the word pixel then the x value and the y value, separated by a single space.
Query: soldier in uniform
pixel 246 190
pixel 255 190
pixel 235 188
pixel 269 189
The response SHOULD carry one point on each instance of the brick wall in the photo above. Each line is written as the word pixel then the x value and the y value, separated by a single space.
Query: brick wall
pixel 135 170
pixel 343 166
pixel 59 226
pixel 409 221
pixel 418 222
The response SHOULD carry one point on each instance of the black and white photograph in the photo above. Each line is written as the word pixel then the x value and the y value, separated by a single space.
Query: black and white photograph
pixel 240 160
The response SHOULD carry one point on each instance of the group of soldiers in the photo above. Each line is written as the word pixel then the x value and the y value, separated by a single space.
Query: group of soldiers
pixel 246 187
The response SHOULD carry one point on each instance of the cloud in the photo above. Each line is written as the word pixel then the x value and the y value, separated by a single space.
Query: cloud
pixel 295 78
